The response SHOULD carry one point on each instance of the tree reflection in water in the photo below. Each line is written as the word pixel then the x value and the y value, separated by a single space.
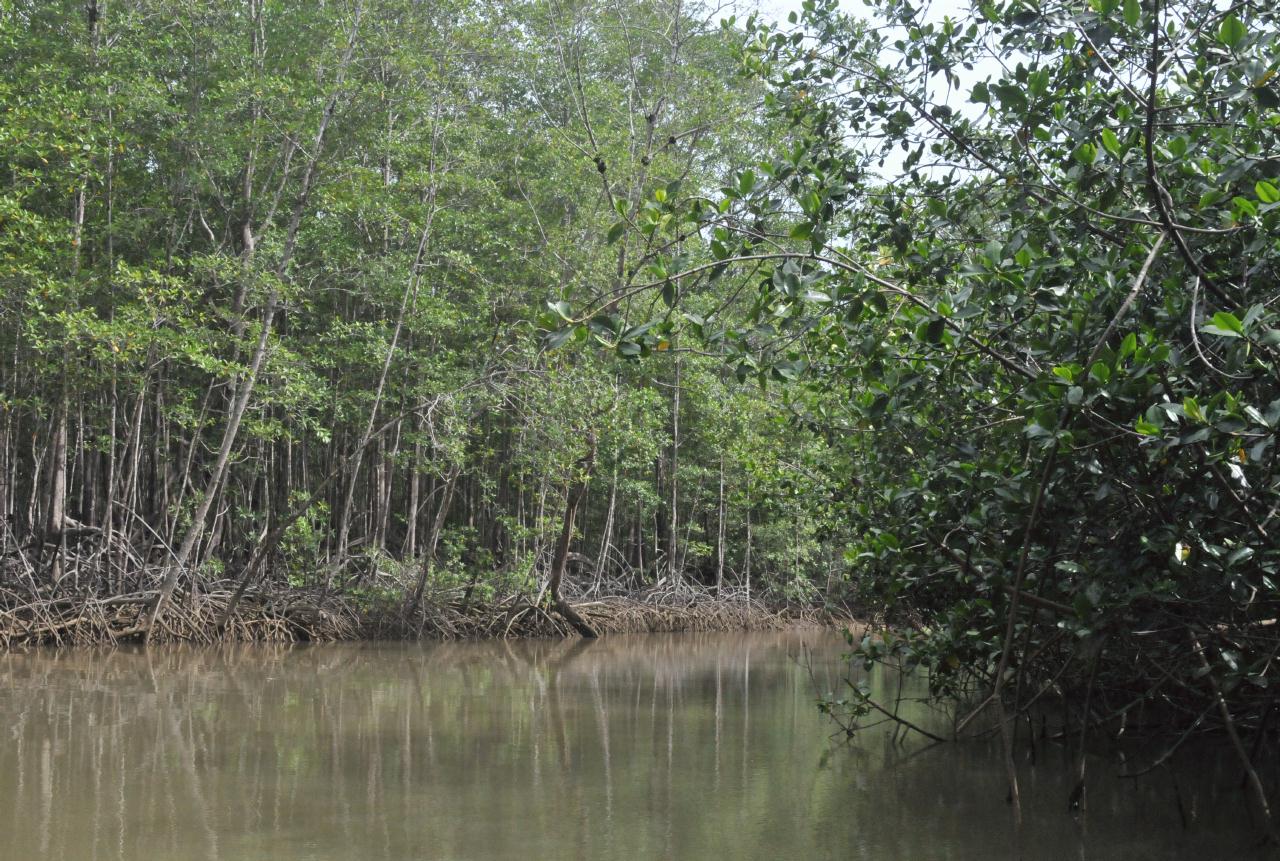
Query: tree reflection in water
pixel 663 746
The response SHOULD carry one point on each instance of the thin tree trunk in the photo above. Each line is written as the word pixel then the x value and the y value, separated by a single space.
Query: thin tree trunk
pixel 410 295
pixel 409 548
pixel 55 507
pixel 720 532
pixel 386 489
pixel 573 498
pixel 178 563
pixel 433 537
pixel 108 518
pixel 673 530
pixel 606 540
pixel 268 543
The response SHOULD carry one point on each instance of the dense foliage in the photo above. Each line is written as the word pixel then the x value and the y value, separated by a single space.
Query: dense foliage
pixel 1023 264
pixel 271 282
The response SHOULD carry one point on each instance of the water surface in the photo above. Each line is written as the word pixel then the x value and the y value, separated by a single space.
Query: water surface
pixel 645 747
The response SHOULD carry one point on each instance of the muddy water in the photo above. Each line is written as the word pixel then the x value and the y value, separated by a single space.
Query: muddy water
pixel 679 747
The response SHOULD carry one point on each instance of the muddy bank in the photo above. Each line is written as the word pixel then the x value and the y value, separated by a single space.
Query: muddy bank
pixel 201 616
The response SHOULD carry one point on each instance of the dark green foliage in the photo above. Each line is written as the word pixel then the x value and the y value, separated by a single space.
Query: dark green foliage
pixel 1020 272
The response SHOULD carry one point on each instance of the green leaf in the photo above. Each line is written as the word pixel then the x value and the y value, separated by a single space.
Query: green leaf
pixel 1110 142
pixel 1244 206
pixel 555 339
pixel 1086 153
pixel 1240 554
pixel 1266 192
pixel 1209 198
pixel 561 308
pixel 1132 12
pixel 1231 32
pixel 1253 315
pixel 788 370
pixel 1225 325
pixel 803 230
pixel 615 232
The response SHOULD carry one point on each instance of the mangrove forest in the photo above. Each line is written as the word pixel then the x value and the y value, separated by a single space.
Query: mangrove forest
pixel 401 319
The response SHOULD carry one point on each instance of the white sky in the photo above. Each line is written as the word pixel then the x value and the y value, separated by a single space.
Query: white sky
pixel 935 12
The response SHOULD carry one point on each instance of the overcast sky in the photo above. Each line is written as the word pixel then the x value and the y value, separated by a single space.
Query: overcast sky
pixel 935 11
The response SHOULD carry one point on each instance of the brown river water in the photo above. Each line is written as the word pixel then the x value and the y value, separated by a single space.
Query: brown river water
pixel 703 746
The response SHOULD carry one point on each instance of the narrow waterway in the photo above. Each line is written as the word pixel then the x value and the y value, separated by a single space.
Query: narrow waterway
pixel 648 747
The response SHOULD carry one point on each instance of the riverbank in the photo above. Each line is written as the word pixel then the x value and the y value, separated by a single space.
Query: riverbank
pixel 201 616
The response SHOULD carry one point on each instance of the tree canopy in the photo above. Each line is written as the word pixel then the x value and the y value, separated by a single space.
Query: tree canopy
pixel 1018 270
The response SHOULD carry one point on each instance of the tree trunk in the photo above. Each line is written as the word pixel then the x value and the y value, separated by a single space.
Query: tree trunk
pixel 673 529
pixel 55 509
pixel 606 540
pixel 720 533
pixel 178 563
pixel 433 538
pixel 410 547
pixel 572 499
